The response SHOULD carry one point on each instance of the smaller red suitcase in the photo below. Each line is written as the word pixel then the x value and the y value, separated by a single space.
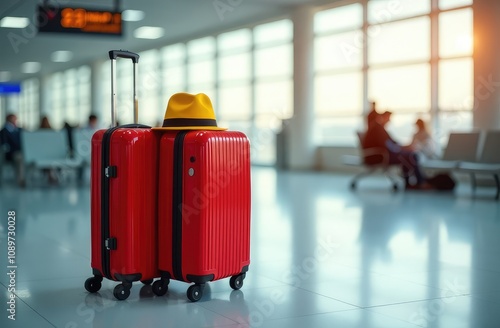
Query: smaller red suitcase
pixel 123 201
pixel 203 209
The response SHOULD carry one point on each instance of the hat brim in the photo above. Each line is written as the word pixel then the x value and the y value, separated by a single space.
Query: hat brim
pixel 206 128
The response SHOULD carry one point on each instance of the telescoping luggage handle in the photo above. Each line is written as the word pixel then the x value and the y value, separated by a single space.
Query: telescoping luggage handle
pixel 113 54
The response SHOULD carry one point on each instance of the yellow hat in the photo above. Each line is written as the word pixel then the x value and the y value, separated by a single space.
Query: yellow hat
pixel 186 111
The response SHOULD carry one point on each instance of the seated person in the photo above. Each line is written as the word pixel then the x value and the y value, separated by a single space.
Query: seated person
pixel 422 142
pixel 50 173
pixel 10 140
pixel 380 148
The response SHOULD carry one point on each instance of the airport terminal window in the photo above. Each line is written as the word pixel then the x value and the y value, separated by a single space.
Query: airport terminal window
pixel 456 84
pixel 28 114
pixel 399 75
pixel 455 37
pixel 456 70
pixel 273 86
pixel 338 78
pixel 398 89
pixel 396 72
pixel 149 84
pixel 55 112
pixel 124 91
pixel 201 67
pixel 173 66
pixel 234 66
pixel 69 97
pixel 234 42
pixel 271 34
pixel 337 51
pixel 339 94
pixel 381 11
pixel 71 101
pixel 447 4
pixel 339 19
pixel 391 45
pixel 84 94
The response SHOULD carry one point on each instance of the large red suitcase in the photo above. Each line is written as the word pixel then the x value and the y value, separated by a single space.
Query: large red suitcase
pixel 124 190
pixel 203 209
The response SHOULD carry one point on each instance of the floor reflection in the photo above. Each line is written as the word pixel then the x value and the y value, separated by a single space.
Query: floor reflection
pixel 321 256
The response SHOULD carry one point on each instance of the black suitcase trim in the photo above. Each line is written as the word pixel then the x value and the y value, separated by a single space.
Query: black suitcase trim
pixel 200 279
pixel 105 179
pixel 128 277
pixel 105 152
pixel 177 206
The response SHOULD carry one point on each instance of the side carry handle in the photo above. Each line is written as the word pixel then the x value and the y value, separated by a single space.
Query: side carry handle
pixel 113 54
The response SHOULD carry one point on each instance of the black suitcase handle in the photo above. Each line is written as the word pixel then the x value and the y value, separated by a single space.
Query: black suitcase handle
pixel 113 54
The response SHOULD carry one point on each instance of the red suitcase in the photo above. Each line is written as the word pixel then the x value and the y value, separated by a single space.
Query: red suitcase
pixel 124 186
pixel 203 209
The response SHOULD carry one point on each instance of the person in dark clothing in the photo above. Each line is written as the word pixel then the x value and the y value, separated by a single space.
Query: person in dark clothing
pixel 381 148
pixel 10 140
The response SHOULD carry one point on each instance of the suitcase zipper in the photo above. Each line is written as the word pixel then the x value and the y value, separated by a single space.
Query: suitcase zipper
pixel 177 206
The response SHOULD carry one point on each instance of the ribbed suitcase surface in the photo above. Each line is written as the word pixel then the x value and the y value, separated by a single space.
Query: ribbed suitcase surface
pixel 132 204
pixel 204 219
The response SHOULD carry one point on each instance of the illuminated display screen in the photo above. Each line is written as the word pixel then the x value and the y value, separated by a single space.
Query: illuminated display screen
pixel 79 20
pixel 7 88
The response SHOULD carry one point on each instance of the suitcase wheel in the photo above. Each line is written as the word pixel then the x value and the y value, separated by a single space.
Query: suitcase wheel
pixel 93 284
pixel 195 292
pixel 236 282
pixel 147 282
pixel 160 287
pixel 122 291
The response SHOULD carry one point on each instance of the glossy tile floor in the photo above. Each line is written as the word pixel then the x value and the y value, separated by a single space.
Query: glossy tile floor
pixel 322 256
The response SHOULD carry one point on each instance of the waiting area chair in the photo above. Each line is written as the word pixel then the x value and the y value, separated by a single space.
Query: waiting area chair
pixel 461 147
pixel 370 169
pixel 488 161
pixel 46 150
pixel 4 164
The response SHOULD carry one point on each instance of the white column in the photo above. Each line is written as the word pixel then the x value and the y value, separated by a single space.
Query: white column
pixel 300 143
pixel 486 64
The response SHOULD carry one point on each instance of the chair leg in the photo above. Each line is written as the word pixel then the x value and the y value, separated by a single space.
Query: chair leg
pixel 359 176
pixel 497 180
pixel 473 183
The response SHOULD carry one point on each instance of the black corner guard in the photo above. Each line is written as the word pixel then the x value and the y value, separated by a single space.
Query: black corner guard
pixel 96 272
pixel 128 277
pixel 200 279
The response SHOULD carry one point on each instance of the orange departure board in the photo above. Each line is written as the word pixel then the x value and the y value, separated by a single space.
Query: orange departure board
pixel 79 20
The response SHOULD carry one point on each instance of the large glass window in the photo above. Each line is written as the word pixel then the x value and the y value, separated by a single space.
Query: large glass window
pixel 447 4
pixel 234 65
pixel 201 67
pixel 401 88
pixel 381 11
pixel 339 19
pixel 390 60
pixel 173 63
pixel 29 109
pixel 455 33
pixel 393 43
pixel 338 81
pixel 149 85
pixel 68 99
pixel 456 84
pixel 273 87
